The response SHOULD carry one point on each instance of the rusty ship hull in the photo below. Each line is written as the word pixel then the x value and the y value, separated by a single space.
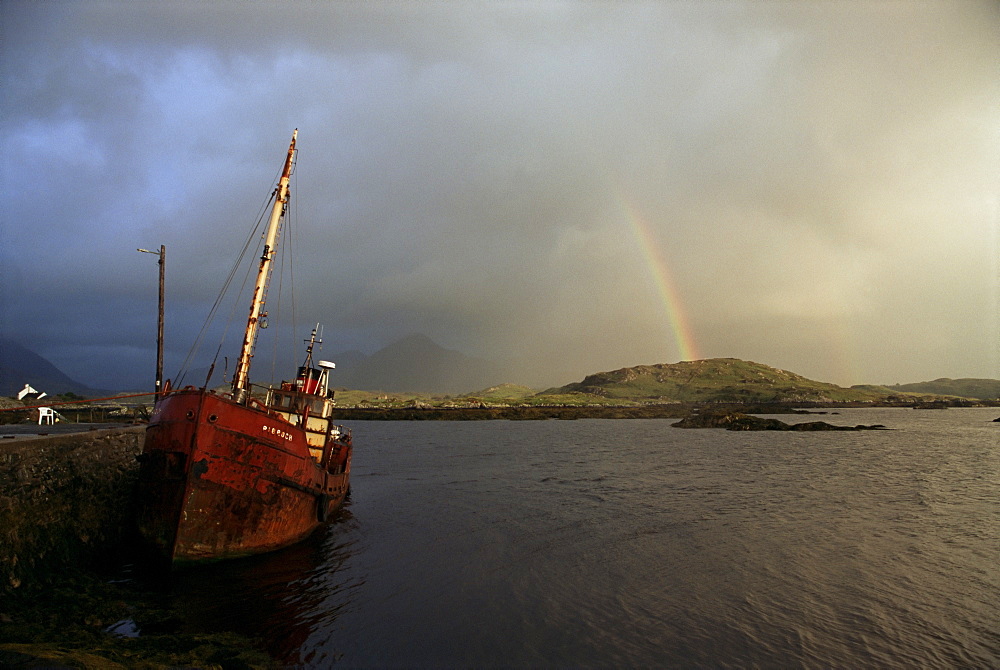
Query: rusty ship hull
pixel 222 480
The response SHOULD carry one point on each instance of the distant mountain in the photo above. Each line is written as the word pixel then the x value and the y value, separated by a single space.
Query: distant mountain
pixel 980 389
pixel 345 362
pixel 19 366
pixel 711 380
pixel 416 363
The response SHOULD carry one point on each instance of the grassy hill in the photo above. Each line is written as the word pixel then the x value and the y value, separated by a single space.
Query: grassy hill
pixel 711 380
pixel 716 380
pixel 981 389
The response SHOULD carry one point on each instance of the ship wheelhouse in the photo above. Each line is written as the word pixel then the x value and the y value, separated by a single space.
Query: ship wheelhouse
pixel 308 403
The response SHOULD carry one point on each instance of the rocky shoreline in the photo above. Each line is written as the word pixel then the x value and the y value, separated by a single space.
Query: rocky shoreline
pixel 65 532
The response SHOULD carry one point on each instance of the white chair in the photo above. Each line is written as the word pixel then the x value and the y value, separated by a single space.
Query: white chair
pixel 46 415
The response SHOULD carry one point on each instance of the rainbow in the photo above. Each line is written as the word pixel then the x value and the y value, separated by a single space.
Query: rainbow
pixel 658 269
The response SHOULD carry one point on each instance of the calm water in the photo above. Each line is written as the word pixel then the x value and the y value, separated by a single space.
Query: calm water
pixel 631 543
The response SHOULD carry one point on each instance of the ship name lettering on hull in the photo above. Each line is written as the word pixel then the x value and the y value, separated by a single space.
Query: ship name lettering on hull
pixel 276 431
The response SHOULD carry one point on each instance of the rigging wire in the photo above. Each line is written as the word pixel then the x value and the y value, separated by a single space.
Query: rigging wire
pixel 255 232
pixel 286 250
pixel 232 312
pixel 239 262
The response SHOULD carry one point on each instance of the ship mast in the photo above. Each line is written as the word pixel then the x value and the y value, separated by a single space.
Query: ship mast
pixel 241 374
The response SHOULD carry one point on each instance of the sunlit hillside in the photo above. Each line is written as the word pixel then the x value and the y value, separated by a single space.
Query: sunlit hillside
pixel 712 380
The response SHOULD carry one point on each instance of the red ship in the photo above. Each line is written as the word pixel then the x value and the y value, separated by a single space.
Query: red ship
pixel 229 474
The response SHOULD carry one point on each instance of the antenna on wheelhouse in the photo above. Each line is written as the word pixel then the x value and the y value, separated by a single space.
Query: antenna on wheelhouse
pixel 311 342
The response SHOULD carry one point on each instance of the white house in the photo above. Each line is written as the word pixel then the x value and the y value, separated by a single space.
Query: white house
pixel 27 390
pixel 45 414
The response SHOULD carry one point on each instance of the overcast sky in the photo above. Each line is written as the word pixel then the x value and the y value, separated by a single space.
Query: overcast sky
pixel 580 186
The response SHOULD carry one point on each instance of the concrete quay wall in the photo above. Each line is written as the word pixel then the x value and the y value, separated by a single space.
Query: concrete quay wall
pixel 65 500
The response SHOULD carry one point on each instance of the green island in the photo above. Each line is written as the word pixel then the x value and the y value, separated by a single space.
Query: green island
pixel 666 390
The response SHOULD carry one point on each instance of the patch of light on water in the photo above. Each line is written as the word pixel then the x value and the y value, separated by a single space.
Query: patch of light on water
pixel 123 628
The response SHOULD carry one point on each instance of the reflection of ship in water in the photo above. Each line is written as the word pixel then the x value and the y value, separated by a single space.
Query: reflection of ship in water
pixel 280 598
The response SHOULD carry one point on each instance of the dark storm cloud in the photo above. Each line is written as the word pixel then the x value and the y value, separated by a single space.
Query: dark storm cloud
pixel 818 179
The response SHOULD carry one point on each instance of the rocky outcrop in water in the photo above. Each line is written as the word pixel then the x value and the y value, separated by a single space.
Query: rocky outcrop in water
pixel 740 421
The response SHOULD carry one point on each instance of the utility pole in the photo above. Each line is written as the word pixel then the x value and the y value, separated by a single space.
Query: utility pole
pixel 159 324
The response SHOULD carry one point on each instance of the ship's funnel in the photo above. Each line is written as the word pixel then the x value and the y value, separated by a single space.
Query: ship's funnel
pixel 308 379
